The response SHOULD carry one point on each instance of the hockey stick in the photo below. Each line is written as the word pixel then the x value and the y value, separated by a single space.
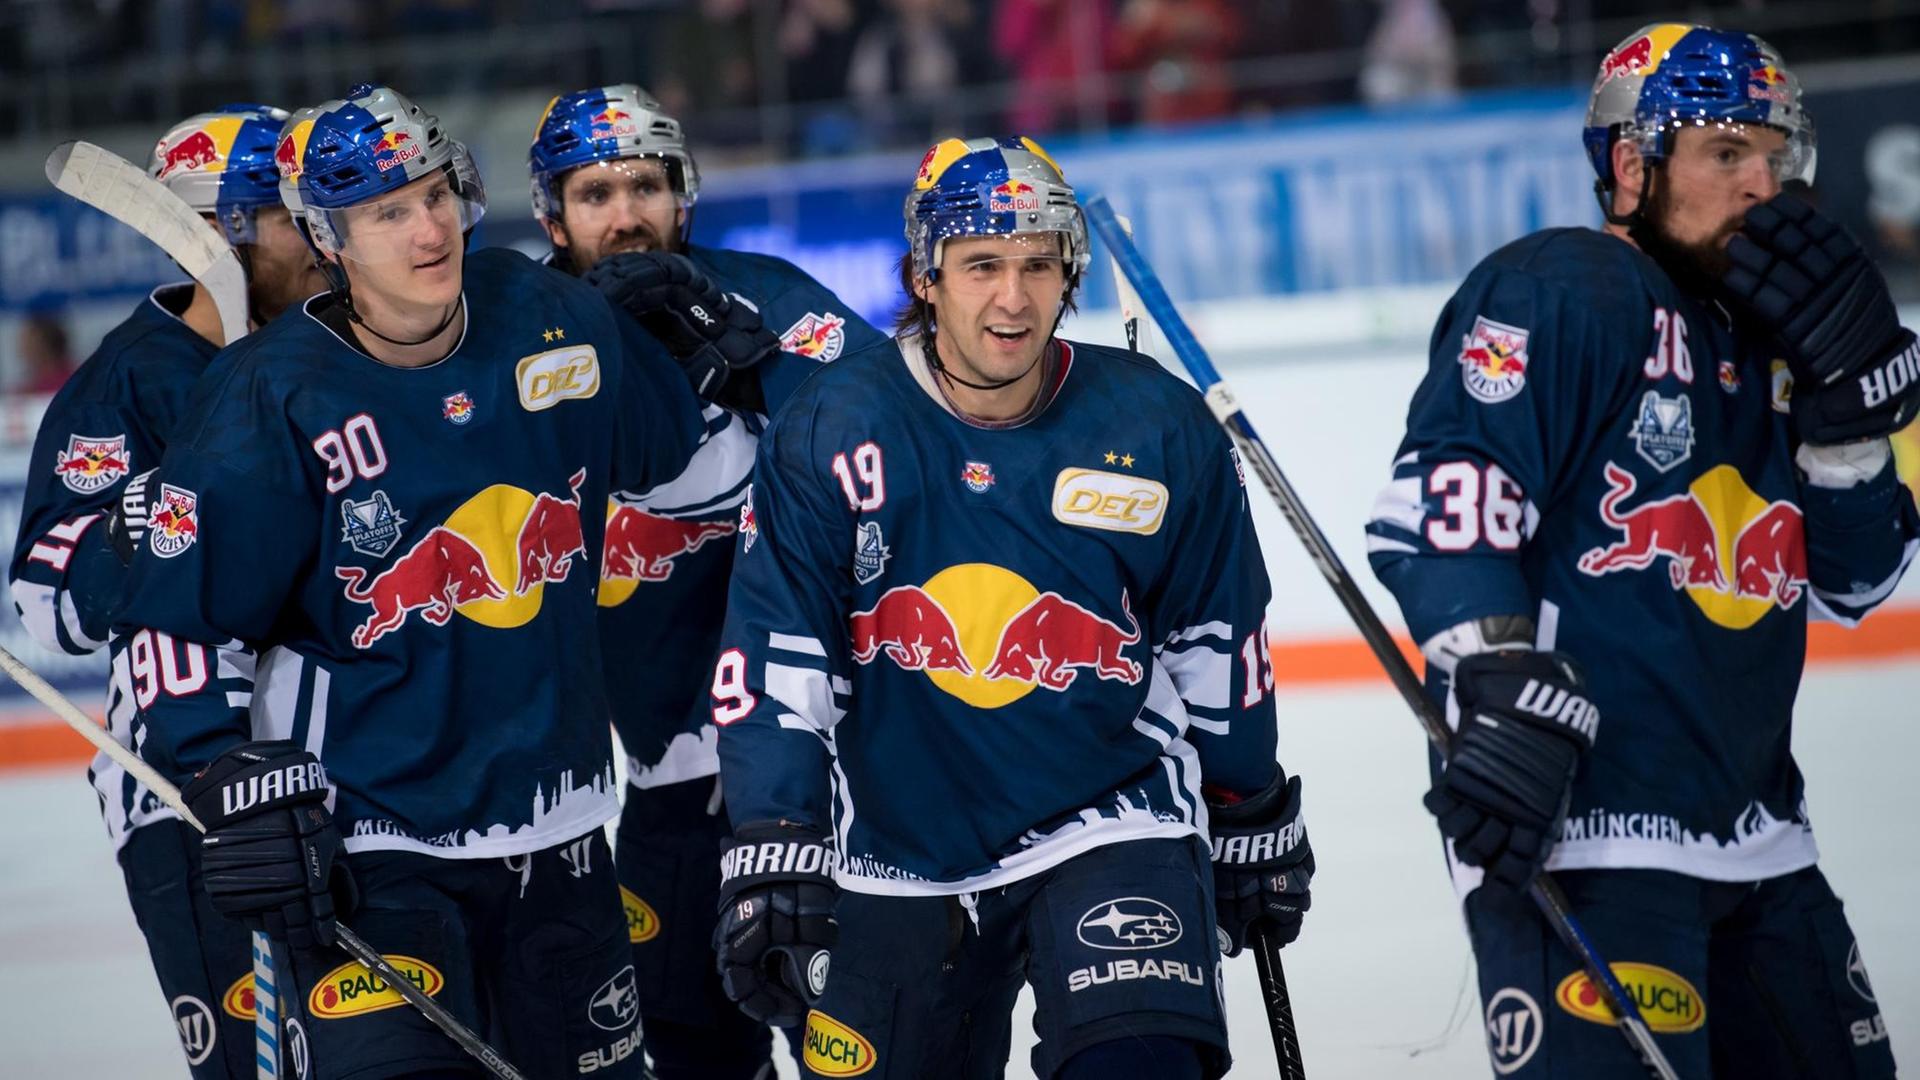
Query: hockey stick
pixel 1266 953
pixel 1545 891
pixel 349 941
pixel 115 187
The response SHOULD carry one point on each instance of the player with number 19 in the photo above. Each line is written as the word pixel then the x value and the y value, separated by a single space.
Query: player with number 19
pixel 361 631
pixel 1642 459
pixel 997 629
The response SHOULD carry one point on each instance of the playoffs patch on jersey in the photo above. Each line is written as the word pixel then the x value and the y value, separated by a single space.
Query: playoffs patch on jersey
pixel 371 527
pixel 816 337
pixel 1663 435
pixel 1493 360
pixel 90 463
pixel 175 522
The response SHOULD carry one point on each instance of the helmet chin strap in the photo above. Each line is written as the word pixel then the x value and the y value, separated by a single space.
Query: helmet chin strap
pixel 932 353
pixel 353 315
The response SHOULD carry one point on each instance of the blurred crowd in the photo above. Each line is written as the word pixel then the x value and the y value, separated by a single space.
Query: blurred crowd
pixel 828 76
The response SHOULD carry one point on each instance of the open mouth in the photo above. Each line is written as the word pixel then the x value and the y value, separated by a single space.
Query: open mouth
pixel 434 264
pixel 1010 335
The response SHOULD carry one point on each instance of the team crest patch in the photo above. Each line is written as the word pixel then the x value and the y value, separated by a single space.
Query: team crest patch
pixel 870 553
pixel 457 407
pixel 89 464
pixel 749 527
pixel 175 521
pixel 816 337
pixel 1663 435
pixel 371 527
pixel 1729 377
pixel 978 476
pixel 1493 360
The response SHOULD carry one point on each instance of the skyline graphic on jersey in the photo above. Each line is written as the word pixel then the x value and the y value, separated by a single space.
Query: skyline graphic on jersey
pixel 1735 554
pixel 987 636
pixel 488 561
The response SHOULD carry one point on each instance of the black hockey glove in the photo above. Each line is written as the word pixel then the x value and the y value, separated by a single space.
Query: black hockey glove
pixel 1262 863
pixel 716 341
pixel 776 920
pixel 1525 723
pixel 127 521
pixel 271 854
pixel 1806 280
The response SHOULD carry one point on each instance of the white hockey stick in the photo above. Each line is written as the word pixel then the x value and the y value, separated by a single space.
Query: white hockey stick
pixel 122 191
pixel 44 692
pixel 116 187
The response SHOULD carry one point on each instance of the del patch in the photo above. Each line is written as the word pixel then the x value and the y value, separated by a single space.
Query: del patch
pixel 1663 434
pixel 816 337
pixel 1493 360
pixel 372 527
pixel 89 463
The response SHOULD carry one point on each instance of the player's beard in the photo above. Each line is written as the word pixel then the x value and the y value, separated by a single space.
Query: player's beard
pixel 1697 266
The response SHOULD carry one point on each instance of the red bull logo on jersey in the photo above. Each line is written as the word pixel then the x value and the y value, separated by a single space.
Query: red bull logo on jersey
pixel 488 562
pixel 642 547
pixel 196 150
pixel 1493 360
pixel 749 526
pixel 1735 554
pixel 395 149
pixel 174 523
pixel 1013 197
pixel 988 637
pixel 90 463
pixel 457 407
pixel 816 337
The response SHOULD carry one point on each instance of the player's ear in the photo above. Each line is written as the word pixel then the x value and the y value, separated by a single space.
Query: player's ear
pixel 923 288
pixel 556 232
pixel 1629 171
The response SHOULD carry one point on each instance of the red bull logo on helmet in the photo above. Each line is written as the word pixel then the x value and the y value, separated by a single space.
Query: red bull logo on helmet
pixel 1012 197
pixel 1493 360
pixel 395 149
pixel 489 561
pixel 1736 555
pixel 196 150
pixel 90 463
pixel 613 123
pixel 988 637
pixel 1768 83
pixel 642 547
pixel 1633 58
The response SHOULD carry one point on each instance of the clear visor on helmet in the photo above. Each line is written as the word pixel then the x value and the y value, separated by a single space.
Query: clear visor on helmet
pixel 1789 154
pixel 1057 226
pixel 417 223
pixel 975 263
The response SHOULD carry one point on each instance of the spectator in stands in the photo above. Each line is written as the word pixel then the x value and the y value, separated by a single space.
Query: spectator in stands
pixel 45 357
pixel 905 69
pixel 1183 49
pixel 1410 55
pixel 1056 50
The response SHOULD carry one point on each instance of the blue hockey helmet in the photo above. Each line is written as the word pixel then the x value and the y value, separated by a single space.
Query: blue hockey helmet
pixel 991 187
pixel 369 144
pixel 287 156
pixel 606 123
pixel 221 164
pixel 1671 75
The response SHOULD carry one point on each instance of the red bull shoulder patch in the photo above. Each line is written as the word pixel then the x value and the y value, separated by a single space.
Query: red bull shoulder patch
pixel 1493 360
pixel 91 463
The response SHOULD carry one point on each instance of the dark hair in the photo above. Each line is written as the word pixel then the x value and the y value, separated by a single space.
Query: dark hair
pixel 916 315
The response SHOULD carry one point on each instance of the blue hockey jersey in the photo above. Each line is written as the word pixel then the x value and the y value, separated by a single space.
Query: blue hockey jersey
pixel 973 651
pixel 390 565
pixel 1597 449
pixel 110 421
pixel 670 549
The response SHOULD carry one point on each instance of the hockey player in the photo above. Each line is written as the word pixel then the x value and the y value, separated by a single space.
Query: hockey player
pixel 615 186
pixel 1641 459
pixel 997 625
pixel 369 531
pixel 101 434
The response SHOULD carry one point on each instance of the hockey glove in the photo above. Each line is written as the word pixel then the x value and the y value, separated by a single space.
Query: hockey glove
pixel 1262 863
pixel 776 920
pixel 271 854
pixel 716 341
pixel 127 521
pixel 1807 281
pixel 1525 723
